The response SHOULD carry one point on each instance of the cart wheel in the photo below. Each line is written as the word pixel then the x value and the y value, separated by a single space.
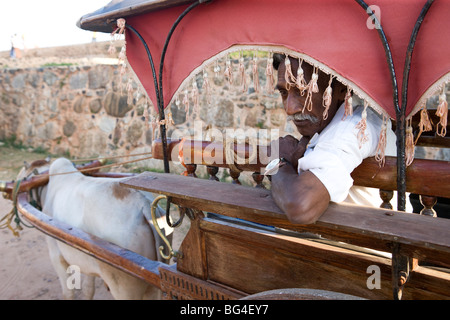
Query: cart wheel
pixel 300 294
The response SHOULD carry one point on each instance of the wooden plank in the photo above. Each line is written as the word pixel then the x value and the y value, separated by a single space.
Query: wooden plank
pixel 425 177
pixel 123 259
pixel 420 236
pixel 272 261
pixel 180 286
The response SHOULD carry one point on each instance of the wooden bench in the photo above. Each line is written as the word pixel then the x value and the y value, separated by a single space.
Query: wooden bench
pixel 250 259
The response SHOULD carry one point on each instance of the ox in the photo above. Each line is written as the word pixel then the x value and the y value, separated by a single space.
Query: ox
pixel 100 206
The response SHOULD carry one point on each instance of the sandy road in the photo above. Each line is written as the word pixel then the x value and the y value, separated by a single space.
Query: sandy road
pixel 25 269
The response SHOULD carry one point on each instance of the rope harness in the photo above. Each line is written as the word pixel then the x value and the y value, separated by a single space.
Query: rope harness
pixel 6 221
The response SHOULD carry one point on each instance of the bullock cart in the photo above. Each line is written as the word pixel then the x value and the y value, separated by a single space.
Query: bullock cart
pixel 239 243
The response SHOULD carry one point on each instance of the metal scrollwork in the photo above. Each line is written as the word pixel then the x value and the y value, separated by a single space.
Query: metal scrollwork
pixel 172 253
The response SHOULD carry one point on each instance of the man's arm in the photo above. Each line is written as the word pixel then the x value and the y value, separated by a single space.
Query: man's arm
pixel 303 197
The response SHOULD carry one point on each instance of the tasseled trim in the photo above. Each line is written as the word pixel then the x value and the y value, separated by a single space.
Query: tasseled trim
pixel 300 82
pixel 425 123
pixel 348 104
pixel 146 118
pixel 442 112
pixel 362 125
pixel 312 88
pixel 380 154
pixel 118 31
pixel 130 91
pixel 269 75
pixel 255 74
pixel 206 87
pixel 186 103
pixel 195 97
pixel 327 98
pixel 168 120
pixel 181 156
pixel 228 73
pixel 313 83
pixel 409 144
pixel 242 74
pixel 288 75
pixel 216 69
pixel 154 123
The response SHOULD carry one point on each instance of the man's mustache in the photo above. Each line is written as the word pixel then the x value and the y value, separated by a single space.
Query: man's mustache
pixel 302 116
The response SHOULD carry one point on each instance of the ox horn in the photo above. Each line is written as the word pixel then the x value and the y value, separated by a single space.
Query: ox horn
pixel 2 186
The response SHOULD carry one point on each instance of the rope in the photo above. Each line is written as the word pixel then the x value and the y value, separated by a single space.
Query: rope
pixel 6 221
pixel 112 157
pixel 232 158
pixel 94 168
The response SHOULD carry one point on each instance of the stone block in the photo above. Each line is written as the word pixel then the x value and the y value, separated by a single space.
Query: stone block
pixel 69 128
pixel 78 81
pixel 115 105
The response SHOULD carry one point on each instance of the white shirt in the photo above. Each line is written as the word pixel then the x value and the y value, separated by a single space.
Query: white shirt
pixel 333 154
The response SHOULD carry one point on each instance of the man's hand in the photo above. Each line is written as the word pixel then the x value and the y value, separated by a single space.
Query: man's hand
pixel 302 197
pixel 291 148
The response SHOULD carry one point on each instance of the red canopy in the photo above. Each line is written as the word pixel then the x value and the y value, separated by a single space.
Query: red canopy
pixel 338 35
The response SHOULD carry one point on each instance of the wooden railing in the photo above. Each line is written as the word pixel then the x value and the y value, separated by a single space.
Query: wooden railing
pixel 428 178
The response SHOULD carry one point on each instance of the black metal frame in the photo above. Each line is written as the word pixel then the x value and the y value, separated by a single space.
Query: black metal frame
pixel 400 111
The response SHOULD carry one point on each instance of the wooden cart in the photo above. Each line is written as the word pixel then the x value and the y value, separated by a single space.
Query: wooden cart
pixel 239 243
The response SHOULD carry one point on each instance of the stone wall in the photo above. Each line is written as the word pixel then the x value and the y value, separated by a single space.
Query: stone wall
pixel 82 111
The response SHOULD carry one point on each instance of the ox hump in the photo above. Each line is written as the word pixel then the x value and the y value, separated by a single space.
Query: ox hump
pixel 61 165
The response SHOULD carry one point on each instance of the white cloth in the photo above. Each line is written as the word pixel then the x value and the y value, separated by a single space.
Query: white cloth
pixel 333 154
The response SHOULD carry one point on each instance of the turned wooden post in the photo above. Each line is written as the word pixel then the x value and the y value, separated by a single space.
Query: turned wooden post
pixel 428 202
pixel 190 170
pixel 258 178
pixel 235 176
pixel 212 171
pixel 386 197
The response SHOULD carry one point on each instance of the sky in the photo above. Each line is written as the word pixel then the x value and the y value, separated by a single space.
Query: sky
pixel 46 23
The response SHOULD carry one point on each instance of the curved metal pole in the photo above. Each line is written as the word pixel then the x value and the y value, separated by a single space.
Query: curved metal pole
pixel 166 44
pixel 150 59
pixel 161 93
pixel 401 121
pixel 159 100
pixel 387 51
pixel 400 128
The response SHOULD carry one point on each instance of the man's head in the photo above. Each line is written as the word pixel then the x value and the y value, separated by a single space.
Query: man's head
pixel 308 122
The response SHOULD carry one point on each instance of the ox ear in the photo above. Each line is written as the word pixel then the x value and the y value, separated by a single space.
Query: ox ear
pixel 48 159
pixel 26 165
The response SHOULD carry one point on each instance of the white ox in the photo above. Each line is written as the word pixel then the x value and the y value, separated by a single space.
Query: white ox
pixel 100 206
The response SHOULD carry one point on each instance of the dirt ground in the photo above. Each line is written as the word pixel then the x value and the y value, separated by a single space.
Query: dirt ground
pixel 25 269
pixel 26 272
